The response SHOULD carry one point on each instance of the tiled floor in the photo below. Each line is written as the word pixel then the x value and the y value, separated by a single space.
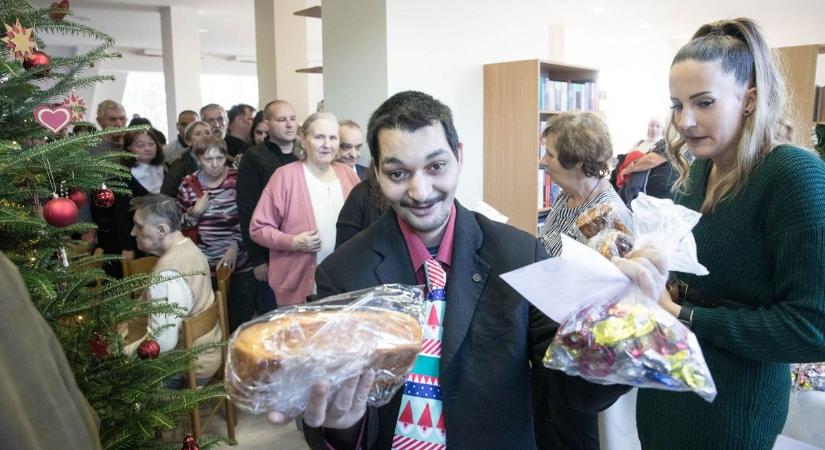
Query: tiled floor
pixel 254 432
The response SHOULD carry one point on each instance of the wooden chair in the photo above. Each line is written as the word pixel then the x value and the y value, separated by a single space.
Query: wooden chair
pixel 139 265
pixel 224 275
pixel 193 328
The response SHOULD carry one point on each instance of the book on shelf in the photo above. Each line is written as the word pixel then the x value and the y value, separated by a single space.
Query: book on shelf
pixel 547 192
pixel 819 104
pixel 560 96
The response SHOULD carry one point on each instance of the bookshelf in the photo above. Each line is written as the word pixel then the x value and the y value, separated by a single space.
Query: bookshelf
pixel 313 12
pixel 799 63
pixel 519 97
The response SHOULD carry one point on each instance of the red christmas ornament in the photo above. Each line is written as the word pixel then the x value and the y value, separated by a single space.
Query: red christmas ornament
pixel 98 346
pixel 37 60
pixel 189 443
pixel 59 10
pixel 60 212
pixel 78 196
pixel 148 349
pixel 104 197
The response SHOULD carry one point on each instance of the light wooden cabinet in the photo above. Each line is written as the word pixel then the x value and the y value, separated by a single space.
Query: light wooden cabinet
pixel 800 75
pixel 513 112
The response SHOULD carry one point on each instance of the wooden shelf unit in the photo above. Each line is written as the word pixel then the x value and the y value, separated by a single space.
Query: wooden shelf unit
pixel 315 12
pixel 511 133
pixel 316 69
pixel 799 64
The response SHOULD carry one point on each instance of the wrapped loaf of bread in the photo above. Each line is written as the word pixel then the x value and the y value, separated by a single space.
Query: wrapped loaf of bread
pixel 275 360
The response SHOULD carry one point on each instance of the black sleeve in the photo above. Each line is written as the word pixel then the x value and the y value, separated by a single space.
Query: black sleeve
pixel 249 190
pixel 124 220
pixel 353 216
pixel 173 177
pixel 660 181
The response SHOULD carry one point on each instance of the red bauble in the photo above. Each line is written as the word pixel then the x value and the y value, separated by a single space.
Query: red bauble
pixel 37 60
pixel 148 349
pixel 78 196
pixel 98 346
pixel 60 212
pixel 59 10
pixel 189 443
pixel 104 197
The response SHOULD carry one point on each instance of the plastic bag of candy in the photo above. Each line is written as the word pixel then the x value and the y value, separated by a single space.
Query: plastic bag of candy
pixel 808 377
pixel 632 340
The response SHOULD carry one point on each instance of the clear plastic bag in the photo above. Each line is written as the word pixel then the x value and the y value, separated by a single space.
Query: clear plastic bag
pixel 808 377
pixel 611 242
pixel 275 359
pixel 632 340
pixel 599 218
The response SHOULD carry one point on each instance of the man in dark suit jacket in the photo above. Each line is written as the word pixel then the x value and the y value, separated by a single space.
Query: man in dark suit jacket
pixel 493 340
pixel 350 141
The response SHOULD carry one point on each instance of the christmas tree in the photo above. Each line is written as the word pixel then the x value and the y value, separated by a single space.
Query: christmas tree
pixel 39 162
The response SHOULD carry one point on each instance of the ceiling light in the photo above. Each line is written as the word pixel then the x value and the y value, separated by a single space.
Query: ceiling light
pixel 647 25
pixel 599 10
pixel 150 52
pixel 203 30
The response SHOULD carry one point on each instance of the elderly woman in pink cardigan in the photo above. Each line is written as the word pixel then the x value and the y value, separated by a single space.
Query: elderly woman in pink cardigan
pixel 296 215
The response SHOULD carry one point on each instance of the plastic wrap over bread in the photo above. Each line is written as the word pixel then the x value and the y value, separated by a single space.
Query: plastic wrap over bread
pixel 275 359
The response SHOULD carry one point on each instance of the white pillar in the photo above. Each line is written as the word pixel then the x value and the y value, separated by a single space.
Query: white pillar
pixel 355 59
pixel 180 35
pixel 556 41
pixel 281 49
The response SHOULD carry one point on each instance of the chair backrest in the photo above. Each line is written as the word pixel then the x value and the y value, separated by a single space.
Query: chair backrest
pixel 201 323
pixel 223 274
pixel 193 328
pixel 139 265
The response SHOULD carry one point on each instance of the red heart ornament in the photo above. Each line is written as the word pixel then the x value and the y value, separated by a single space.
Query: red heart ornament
pixel 52 117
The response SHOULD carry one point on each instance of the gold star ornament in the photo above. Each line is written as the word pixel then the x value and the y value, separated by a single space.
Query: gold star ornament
pixel 19 41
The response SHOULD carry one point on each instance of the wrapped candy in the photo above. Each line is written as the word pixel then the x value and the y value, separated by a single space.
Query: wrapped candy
pixel 808 377
pixel 629 342
pixel 275 359
pixel 631 339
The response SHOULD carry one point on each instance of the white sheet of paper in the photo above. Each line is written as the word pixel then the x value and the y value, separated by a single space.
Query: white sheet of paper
pixel 786 443
pixel 578 276
pixel 488 210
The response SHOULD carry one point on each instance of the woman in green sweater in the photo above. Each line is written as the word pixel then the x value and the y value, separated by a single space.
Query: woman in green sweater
pixel 761 236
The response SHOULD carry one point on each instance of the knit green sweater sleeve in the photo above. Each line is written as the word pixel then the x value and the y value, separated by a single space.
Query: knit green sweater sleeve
pixel 790 185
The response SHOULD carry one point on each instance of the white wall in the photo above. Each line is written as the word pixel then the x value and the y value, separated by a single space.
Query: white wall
pixel 440 47
pixel 634 67
pixel 355 59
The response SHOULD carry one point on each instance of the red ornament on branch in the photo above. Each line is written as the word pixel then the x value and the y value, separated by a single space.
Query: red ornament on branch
pixel 78 196
pixel 60 212
pixel 189 443
pixel 148 349
pixel 59 10
pixel 38 60
pixel 104 197
pixel 98 346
